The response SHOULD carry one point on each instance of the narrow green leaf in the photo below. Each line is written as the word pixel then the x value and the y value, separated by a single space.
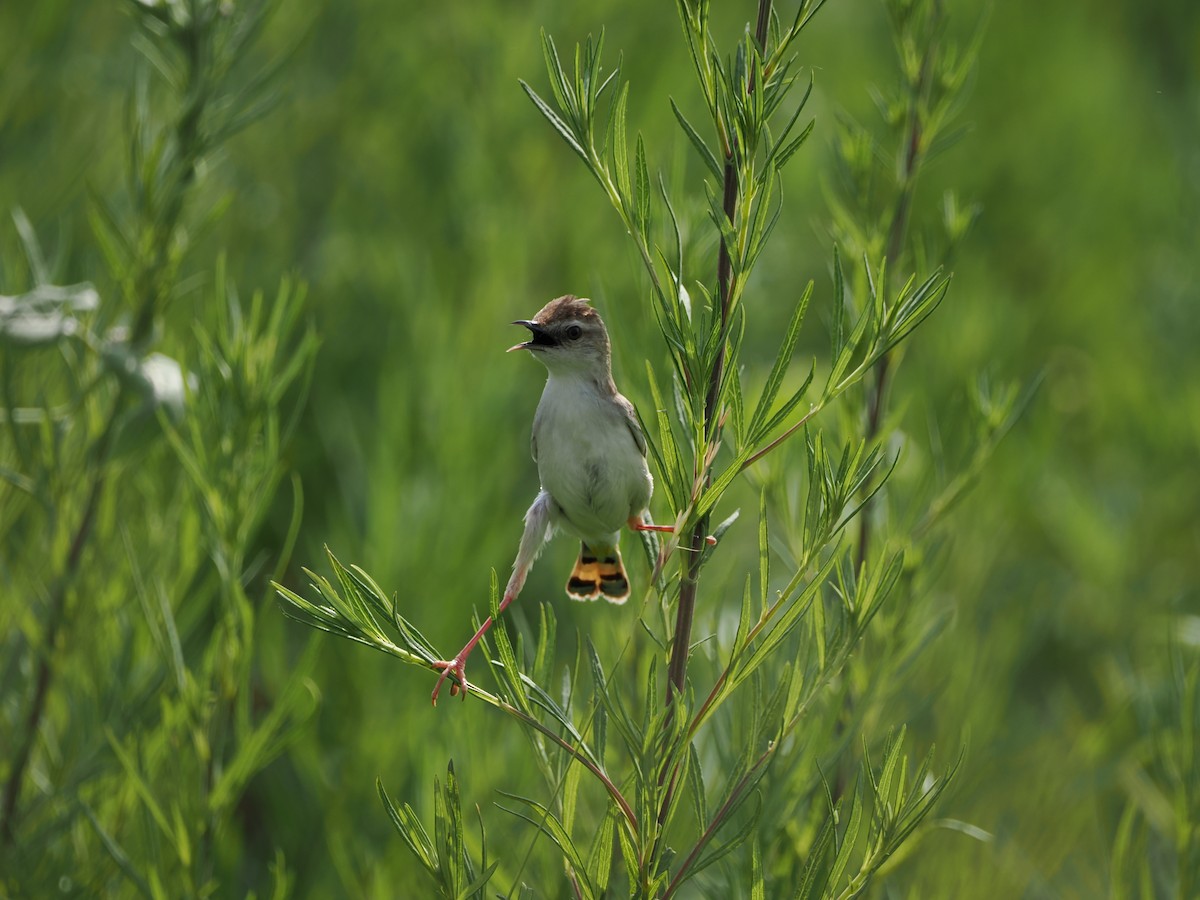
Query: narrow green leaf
pixel 780 367
pixel 846 847
pixel 764 554
pixel 747 828
pixel 110 235
pixel 567 100
pixel 865 325
pixel 610 700
pixel 454 858
pixel 720 484
pixel 696 787
pixel 509 665
pixel 788 619
pixel 543 660
pixel 812 885
pixel 629 854
pixel 570 791
pixel 548 824
pixel 743 629
pixel 706 155
pixel 479 883
pixel 839 305
pixel 893 752
pixel 642 176
pixel 790 404
pixel 759 209
pixel 796 143
pixel 32 247
pixel 560 126
pixel 621 147
pixel 673 470
pixel 599 863
pixel 716 213
pixel 270 737
pixel 737 406
pixel 776 147
pixel 356 603
pixel 852 489
pixel 758 889
pixel 409 827
pixel 915 310
pixel 118 854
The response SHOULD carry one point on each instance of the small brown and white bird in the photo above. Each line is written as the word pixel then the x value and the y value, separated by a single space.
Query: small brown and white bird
pixel 591 456
pixel 588 445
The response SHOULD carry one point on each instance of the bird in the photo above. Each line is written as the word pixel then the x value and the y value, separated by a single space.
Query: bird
pixel 591 458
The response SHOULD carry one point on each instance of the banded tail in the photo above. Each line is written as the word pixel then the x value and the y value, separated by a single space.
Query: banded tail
pixel 598 574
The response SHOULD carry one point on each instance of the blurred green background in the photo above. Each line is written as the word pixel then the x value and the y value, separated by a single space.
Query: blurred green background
pixel 406 177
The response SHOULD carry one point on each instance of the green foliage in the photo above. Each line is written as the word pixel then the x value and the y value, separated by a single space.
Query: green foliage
pixel 140 464
pixel 1156 849
pixel 788 655
pixel 1037 542
pixel 446 861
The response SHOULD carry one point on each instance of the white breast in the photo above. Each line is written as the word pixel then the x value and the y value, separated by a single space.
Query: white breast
pixel 588 460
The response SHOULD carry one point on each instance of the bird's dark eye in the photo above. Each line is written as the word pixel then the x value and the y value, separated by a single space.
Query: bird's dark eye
pixel 574 333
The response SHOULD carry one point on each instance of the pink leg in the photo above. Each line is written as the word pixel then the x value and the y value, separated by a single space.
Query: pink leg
pixel 538 527
pixel 458 665
pixel 638 525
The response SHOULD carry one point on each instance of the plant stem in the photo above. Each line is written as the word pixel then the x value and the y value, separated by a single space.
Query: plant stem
pixel 897 234
pixel 54 623
pixel 751 776
pixel 685 612
pixel 150 288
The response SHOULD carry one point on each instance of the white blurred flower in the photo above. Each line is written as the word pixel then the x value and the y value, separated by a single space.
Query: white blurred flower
pixel 165 378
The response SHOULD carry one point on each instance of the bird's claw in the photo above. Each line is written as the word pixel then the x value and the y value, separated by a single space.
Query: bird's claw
pixel 459 669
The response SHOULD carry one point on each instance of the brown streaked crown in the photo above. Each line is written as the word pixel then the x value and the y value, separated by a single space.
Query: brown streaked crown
pixel 564 308
pixel 569 336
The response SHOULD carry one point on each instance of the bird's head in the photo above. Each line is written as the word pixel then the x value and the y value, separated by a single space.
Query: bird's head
pixel 567 335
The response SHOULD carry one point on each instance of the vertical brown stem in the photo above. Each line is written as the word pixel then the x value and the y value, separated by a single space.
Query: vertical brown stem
pixel 685 612
pixel 677 669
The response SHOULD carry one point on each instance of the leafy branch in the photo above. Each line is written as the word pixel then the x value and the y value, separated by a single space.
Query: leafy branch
pixel 792 648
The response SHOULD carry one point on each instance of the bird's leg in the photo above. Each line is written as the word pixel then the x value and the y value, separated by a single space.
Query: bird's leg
pixel 638 524
pixel 458 665
pixel 538 528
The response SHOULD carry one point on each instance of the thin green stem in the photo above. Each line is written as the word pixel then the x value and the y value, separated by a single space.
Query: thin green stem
pixel 54 624
pixel 897 235
pixel 751 775
pixel 685 611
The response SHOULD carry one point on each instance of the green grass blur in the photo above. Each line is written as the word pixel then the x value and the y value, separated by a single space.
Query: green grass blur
pixel 408 180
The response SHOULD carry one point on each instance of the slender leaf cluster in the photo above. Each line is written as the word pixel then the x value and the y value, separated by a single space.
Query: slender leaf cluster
pixel 1156 851
pixel 717 781
pixel 443 856
pixel 138 464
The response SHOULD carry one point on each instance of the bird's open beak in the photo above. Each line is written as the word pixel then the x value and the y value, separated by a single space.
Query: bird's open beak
pixel 540 337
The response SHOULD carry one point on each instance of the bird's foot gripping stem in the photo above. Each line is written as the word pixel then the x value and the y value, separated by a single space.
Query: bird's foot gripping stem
pixel 638 525
pixel 456 667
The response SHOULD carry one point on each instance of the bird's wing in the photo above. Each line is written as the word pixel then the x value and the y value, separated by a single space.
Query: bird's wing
pixel 631 419
pixel 537 418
